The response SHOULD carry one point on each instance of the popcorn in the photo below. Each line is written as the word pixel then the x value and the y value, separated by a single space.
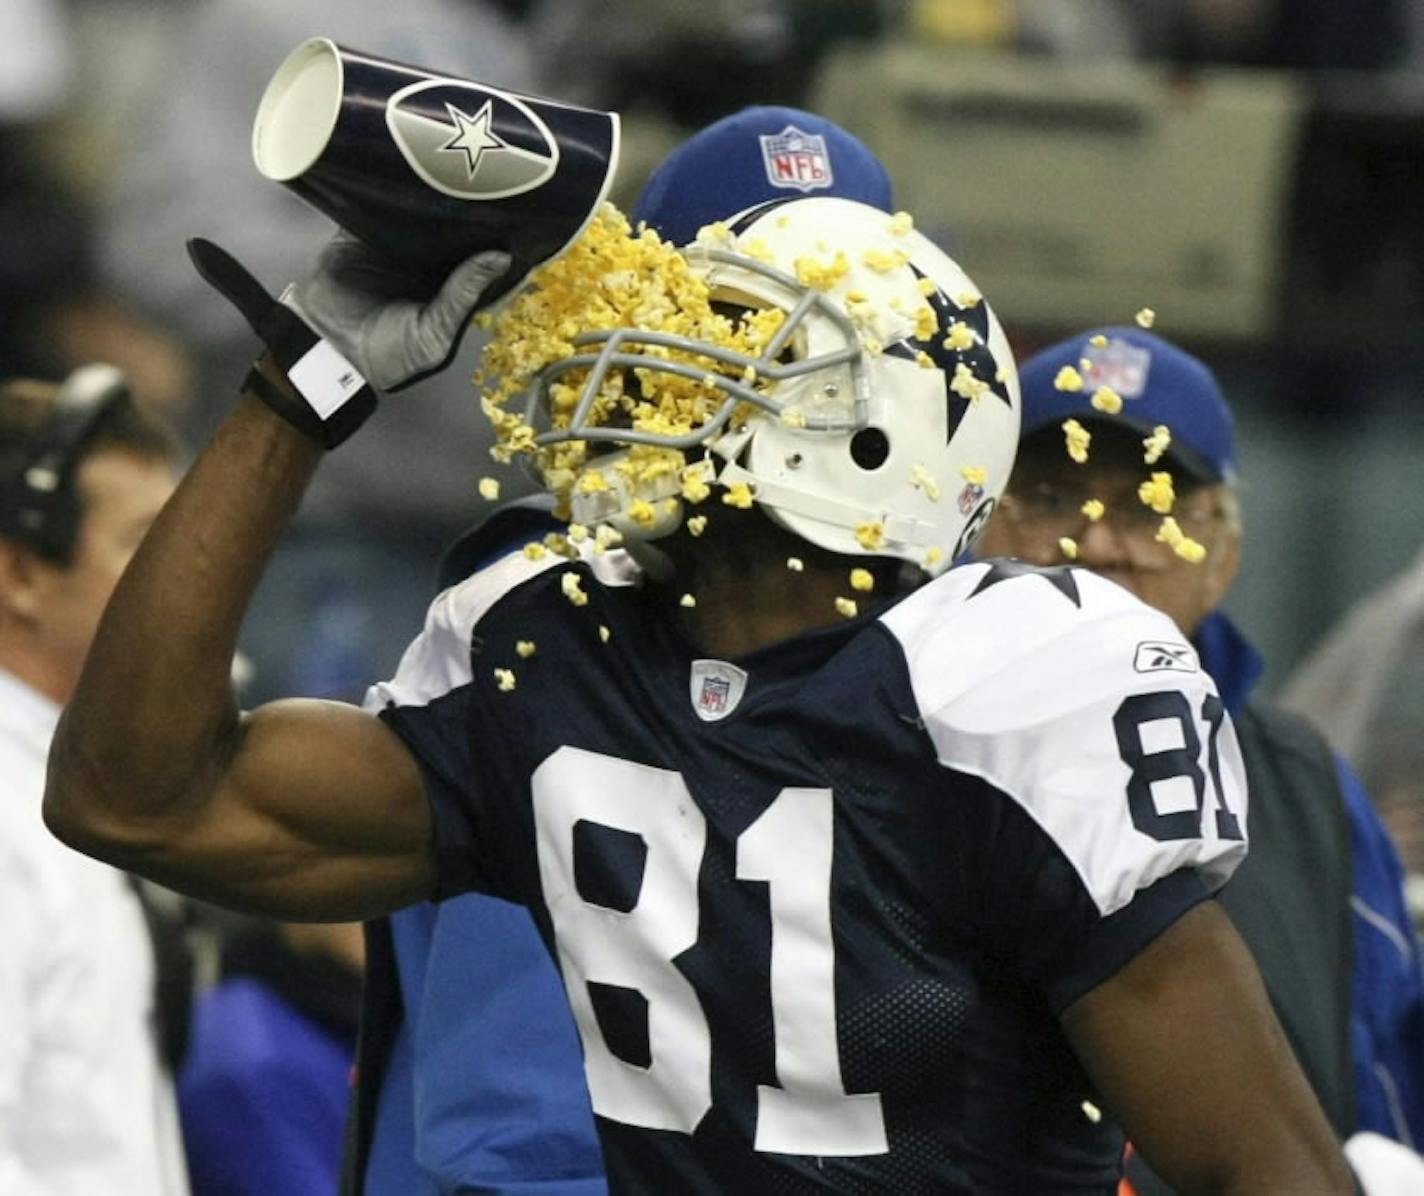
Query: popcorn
pixel 1145 318
pixel 926 322
pixel 960 337
pixel 642 512
pixel 1099 341
pixel 577 533
pixel 606 537
pixel 1078 438
pixel 525 648
pixel 604 634
pixel 882 262
pixel 922 479
pixel 1107 400
pixel 489 489
pixel 697 524
pixel 968 300
pixel 871 535
pixel 1092 1112
pixel 739 496
pixel 966 385
pixel 900 224
pixel 1093 509
pixel 1171 534
pixel 847 607
pixel 974 475
pixel 504 679
pixel 924 360
pixel 1156 444
pixel 1068 379
pixel 687 600
pixel 933 557
pixel 695 488
pixel 862 580
pixel 1068 547
pixel 535 552
pixel 1157 492
pixel 717 233
pixel 592 481
pixel 793 417
pixel 572 585
pixel 822 276
pixel 795 564
pixel 927 287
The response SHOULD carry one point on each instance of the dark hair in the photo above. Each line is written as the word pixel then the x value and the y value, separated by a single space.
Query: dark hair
pixel 33 431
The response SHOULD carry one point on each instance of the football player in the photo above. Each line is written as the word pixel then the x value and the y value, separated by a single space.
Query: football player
pixel 863 874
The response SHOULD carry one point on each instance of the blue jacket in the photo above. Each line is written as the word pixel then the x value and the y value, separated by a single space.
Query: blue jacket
pixel 264 1091
pixel 1387 997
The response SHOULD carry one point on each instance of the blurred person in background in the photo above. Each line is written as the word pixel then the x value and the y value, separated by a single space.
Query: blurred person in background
pixel 1319 899
pixel 265 1090
pixel 86 1100
pixel 383 513
pixel 469 979
pixel 1363 687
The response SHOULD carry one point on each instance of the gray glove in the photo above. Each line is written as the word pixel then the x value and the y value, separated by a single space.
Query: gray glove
pixel 355 300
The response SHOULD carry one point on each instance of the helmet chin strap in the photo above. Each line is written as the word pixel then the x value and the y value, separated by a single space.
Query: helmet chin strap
pixel 899 529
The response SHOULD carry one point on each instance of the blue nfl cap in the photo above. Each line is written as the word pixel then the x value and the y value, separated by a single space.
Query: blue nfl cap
pixel 751 157
pixel 1159 384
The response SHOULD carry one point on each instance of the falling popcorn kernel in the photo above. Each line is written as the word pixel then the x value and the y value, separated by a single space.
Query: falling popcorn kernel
pixel 572 586
pixel 924 360
pixel 1107 400
pixel 926 323
pixel 535 551
pixel 489 489
pixel 1157 492
pixel 1068 379
pixel 1092 1112
pixel 1156 444
pixel 739 496
pixel 1190 550
pixel 1099 341
pixel 504 679
pixel 974 475
pixel 793 417
pixel 922 479
pixel 1146 318
pixel 966 385
pixel 1078 438
pixel 960 337
pixel 847 607
pixel 697 524
pixel 687 600
pixel 642 512
pixel 968 300
pixel 933 557
pixel 604 634
pixel 871 535
pixel 927 287
pixel 862 580
pixel 900 224
pixel 577 533
pixel 695 489
pixel 1068 547
pixel 606 537
pixel 525 648
pixel 795 564
pixel 1093 509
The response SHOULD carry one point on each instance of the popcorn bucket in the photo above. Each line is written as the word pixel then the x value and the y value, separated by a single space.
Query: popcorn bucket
pixel 428 168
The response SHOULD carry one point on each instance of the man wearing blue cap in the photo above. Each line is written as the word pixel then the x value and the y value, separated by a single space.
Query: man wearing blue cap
pixel 1105 415
pixel 471 1077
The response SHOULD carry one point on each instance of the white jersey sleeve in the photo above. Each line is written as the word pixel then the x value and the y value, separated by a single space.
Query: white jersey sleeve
pixel 1088 709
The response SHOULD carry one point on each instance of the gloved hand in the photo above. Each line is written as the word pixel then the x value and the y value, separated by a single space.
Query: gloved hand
pixel 358 303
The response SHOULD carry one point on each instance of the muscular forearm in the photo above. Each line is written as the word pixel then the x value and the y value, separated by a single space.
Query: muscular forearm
pixel 153 713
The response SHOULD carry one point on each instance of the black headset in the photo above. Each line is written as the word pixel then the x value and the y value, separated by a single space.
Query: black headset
pixel 38 503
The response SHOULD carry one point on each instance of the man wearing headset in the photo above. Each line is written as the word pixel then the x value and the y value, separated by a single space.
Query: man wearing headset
pixel 86 1104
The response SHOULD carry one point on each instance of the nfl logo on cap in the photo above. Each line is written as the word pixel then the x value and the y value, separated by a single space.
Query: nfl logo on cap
pixel 796 160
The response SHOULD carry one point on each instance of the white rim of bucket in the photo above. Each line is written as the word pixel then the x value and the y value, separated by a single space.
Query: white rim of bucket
pixel 299 110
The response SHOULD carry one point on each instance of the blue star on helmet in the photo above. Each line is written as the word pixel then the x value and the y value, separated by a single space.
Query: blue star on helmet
pixel 473 135
pixel 977 357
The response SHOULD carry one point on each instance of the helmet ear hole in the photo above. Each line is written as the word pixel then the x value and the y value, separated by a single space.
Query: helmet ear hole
pixel 870 448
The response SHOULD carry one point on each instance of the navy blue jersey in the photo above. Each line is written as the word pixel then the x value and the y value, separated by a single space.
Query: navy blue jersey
pixel 817 909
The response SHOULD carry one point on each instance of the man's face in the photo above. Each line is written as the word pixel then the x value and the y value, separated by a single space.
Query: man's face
pixel 121 494
pixel 1044 504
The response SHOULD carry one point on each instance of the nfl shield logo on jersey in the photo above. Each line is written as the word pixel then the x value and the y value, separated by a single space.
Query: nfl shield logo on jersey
pixel 717 688
pixel 796 160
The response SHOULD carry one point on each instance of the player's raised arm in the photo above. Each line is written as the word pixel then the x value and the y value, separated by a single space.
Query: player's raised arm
pixel 301 808
pixel 1185 1049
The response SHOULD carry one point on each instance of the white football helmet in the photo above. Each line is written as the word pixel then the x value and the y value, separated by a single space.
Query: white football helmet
pixel 882 417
